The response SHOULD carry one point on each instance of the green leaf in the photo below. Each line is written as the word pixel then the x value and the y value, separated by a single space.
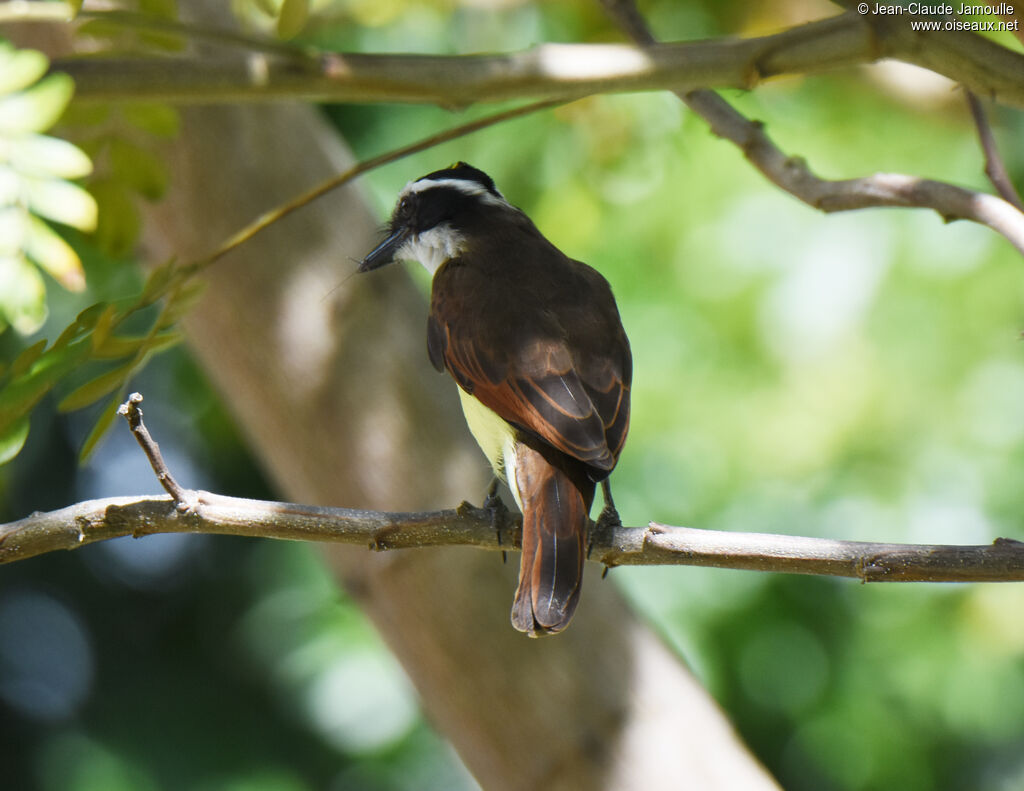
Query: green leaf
pixel 20 395
pixel 163 9
pixel 157 283
pixel 36 109
pixel 53 254
pixel 19 68
pixel 181 302
pixel 40 155
pixel 103 326
pixel 94 115
pixel 117 346
pixel 93 390
pixel 292 18
pixel 100 426
pixel 155 38
pixel 83 324
pixel 159 120
pixel 118 227
pixel 62 201
pixel 27 357
pixel 90 316
pixel 137 167
pixel 13 440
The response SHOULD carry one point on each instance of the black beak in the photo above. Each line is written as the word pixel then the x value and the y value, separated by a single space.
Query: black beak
pixel 384 253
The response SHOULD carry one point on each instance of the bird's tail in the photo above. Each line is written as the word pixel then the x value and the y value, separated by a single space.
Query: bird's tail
pixel 555 518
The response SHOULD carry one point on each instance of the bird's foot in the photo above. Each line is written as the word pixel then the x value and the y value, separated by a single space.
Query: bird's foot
pixel 604 527
pixel 499 513
pixel 606 523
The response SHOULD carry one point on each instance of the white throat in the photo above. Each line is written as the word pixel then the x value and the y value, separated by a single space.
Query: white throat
pixel 432 248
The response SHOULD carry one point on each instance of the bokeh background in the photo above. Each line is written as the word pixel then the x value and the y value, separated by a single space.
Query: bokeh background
pixel 857 376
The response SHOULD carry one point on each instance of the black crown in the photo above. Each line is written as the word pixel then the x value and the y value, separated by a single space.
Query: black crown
pixel 465 172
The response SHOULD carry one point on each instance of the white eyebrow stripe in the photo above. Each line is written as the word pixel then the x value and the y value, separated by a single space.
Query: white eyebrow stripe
pixel 462 185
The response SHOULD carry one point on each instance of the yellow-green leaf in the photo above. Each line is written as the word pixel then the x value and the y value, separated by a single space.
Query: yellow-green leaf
pixel 119 224
pixel 19 68
pixel 61 201
pixel 53 254
pixel 292 18
pixel 22 294
pixel 40 155
pixel 266 6
pixel 181 303
pixel 164 9
pixel 84 323
pixel 117 346
pixel 141 169
pixel 10 186
pixel 90 316
pixel 158 282
pixel 13 440
pixel 159 120
pixel 28 356
pixel 36 109
pixel 14 222
pixel 93 390
pixel 103 326
pixel 93 115
pixel 101 425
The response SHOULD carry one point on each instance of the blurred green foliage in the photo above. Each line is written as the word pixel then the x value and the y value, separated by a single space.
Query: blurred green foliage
pixel 34 187
pixel 856 376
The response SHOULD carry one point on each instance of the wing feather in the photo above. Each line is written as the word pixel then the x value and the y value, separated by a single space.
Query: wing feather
pixel 514 353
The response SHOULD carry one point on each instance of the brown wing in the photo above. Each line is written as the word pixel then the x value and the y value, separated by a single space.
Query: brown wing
pixel 539 358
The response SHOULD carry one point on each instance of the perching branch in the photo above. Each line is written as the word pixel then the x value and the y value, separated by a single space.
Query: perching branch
pixel 794 176
pixel 554 71
pixel 656 544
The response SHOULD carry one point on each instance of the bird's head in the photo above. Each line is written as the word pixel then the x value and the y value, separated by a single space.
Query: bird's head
pixel 433 214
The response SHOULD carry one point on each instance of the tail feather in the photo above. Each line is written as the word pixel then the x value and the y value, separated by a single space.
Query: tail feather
pixel 554 538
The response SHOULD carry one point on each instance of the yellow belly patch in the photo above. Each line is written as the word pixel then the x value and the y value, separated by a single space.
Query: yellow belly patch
pixel 495 437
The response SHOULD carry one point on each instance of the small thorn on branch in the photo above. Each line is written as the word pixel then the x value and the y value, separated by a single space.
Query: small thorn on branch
pixel 184 500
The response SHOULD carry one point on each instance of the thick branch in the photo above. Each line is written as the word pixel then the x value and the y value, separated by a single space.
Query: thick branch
pixel 794 176
pixel 656 544
pixel 559 71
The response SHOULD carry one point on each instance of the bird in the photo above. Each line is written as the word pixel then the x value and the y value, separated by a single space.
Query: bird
pixel 535 343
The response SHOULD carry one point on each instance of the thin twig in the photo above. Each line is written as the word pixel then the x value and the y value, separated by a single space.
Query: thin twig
pixel 994 167
pixel 269 218
pixel 131 412
pixel 793 175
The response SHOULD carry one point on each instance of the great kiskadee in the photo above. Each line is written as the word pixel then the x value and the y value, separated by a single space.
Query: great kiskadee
pixel 535 343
